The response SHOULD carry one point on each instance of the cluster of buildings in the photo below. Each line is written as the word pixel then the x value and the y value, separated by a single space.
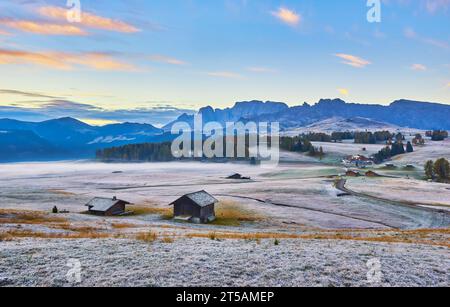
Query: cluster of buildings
pixel 198 207
pixel 358 161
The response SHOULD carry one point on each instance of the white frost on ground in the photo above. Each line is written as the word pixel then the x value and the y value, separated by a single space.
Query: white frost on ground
pixel 294 197
pixel 203 262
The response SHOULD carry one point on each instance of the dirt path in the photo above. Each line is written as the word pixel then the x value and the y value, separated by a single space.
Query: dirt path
pixel 267 202
pixel 341 187
pixel 431 217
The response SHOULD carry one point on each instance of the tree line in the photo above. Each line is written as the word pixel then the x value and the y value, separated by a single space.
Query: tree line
pixel 368 137
pixel 301 144
pixel 359 137
pixel 395 149
pixel 148 152
pixel 437 135
pixel 438 170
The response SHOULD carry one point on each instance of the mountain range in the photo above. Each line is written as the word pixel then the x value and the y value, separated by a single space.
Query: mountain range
pixel 403 113
pixel 68 138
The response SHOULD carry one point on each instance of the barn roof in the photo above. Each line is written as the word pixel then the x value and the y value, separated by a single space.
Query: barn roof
pixel 103 204
pixel 201 198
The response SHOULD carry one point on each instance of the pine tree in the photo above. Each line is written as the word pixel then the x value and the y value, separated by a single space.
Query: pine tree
pixel 442 169
pixel 409 148
pixel 321 153
pixel 429 169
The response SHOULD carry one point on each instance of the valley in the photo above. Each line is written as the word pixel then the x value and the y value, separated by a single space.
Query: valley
pixel 291 218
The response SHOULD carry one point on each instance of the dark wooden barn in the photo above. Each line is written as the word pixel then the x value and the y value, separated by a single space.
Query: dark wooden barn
pixel 352 174
pixel 107 206
pixel 372 174
pixel 196 207
pixel 238 177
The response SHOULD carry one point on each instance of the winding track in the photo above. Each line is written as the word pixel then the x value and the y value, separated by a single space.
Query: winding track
pixel 310 209
pixel 436 218
pixel 341 187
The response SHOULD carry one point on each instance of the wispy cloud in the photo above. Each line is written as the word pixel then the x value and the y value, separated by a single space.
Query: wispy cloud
pixel 89 20
pixel 157 115
pixel 288 16
pixel 411 34
pixel 418 67
pixel 343 91
pixel 65 61
pixel 26 94
pixel 225 74
pixel 3 32
pixel 43 28
pixel 167 60
pixel 353 60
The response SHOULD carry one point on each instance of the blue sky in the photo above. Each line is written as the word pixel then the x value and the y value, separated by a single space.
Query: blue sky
pixel 129 60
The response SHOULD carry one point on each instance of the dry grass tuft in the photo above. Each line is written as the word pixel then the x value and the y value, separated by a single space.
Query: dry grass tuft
pixel 242 236
pixel 147 236
pixel 168 240
pixel 5 237
pixel 166 213
pixel 212 235
pixel 123 225
pixel 28 217
pixel 232 214
pixel 436 237
pixel 42 235
pixel 76 228
pixel 61 192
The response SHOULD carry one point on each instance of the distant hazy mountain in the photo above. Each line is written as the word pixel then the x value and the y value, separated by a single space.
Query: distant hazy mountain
pixel 403 113
pixel 241 110
pixel 18 145
pixel 67 137
pixel 70 138
pixel 349 124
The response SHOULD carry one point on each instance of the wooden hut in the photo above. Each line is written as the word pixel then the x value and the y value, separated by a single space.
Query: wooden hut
pixel 372 174
pixel 238 176
pixel 107 206
pixel 352 174
pixel 198 207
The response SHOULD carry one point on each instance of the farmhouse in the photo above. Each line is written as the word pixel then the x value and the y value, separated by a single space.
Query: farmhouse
pixel 357 161
pixel 107 206
pixel 372 174
pixel 196 207
pixel 238 177
pixel 352 174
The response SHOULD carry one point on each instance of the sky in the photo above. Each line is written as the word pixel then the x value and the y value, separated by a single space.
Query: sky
pixel 150 61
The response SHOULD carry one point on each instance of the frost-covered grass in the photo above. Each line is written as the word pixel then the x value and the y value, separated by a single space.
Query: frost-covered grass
pixel 14 234
pixel 322 238
pixel 404 190
pixel 226 263
pixel 9 216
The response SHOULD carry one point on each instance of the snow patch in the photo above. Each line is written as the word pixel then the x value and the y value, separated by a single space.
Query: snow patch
pixel 110 139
